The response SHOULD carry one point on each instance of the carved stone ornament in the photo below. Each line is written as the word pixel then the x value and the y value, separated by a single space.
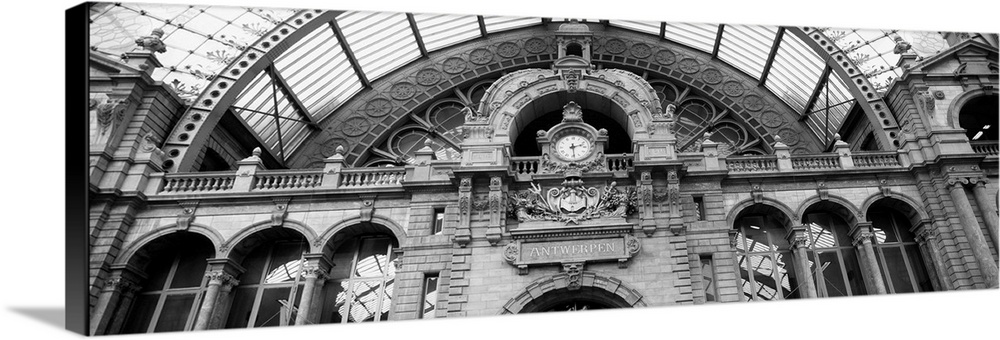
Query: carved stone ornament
pixel 112 111
pixel 926 101
pixel 573 271
pixel 883 186
pixel 221 278
pixel 153 42
pixel 598 164
pixel 472 116
pixel 148 143
pixel 757 193
pixel 571 203
pixel 279 212
pixel 120 284
pixel 511 252
pixel 186 216
pixel 822 191
pixel 319 273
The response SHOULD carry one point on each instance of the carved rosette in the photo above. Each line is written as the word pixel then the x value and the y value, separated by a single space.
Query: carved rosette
pixel 512 252
pixel 632 244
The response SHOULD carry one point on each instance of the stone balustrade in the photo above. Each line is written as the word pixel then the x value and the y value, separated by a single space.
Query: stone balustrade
pixel 524 165
pixel 816 162
pixel 371 177
pixel 198 182
pixel 877 159
pixel 285 180
pixel 747 164
pixel 618 163
pixel 986 147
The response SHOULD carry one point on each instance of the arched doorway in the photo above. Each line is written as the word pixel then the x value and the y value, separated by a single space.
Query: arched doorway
pixel 271 285
pixel 565 300
pixel 589 291
pixel 362 280
pixel 764 254
pixel 831 248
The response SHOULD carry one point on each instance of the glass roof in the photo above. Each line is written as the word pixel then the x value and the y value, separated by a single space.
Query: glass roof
pixel 201 40
pixel 317 74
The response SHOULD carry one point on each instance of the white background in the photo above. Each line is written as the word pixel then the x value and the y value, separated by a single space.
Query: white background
pixel 33 184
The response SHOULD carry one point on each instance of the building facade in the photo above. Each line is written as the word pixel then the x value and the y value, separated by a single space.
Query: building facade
pixel 555 166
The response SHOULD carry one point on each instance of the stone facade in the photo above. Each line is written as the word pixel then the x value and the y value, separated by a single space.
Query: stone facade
pixel 685 217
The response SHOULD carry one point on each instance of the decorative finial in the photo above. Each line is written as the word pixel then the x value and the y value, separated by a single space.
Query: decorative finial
pixel 901 45
pixel 836 136
pixel 339 151
pixel 777 138
pixel 153 41
pixel 256 152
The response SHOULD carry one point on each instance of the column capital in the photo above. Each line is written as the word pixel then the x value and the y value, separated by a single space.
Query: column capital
pixel 221 278
pixel 121 284
pixel 924 231
pixel 862 233
pixel 957 182
pixel 797 236
pixel 979 181
pixel 311 272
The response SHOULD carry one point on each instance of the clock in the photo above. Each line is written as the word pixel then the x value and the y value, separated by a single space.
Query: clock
pixel 573 147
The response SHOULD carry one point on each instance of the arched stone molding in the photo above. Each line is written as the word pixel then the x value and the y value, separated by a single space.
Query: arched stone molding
pixel 738 209
pixel 634 102
pixel 847 210
pixel 877 110
pixel 912 208
pixel 192 130
pixel 134 246
pixel 328 235
pixel 482 60
pixel 955 108
pixel 558 282
pixel 226 250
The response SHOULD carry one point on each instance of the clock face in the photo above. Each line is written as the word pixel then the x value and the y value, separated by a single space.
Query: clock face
pixel 573 148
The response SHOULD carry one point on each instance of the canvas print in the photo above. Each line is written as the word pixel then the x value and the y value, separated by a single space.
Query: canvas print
pixel 259 167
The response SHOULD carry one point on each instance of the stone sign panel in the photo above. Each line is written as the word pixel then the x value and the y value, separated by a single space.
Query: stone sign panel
pixel 522 254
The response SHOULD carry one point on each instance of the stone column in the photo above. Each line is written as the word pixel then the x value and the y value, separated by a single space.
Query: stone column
pixel 926 235
pixel 972 231
pixel 317 300
pixel 111 298
pixel 862 235
pixel 799 240
pixel 216 279
pixel 120 314
pixel 220 314
pixel 314 271
pixel 987 209
pixel 311 274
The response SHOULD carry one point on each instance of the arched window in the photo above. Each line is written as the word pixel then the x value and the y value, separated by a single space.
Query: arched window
pixel 764 257
pixel 269 286
pixel 172 292
pixel 898 254
pixel 831 248
pixel 360 288
pixel 979 118
pixel 574 50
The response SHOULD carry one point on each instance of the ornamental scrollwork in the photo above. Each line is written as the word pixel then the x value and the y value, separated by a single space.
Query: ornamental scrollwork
pixel 571 203
pixel 511 252
pixel 632 244
pixel 598 164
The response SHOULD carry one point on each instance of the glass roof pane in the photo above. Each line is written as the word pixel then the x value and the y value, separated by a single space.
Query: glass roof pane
pixel 318 71
pixel 442 30
pixel 496 23
pixel 698 36
pixel 651 27
pixel 872 51
pixel 747 47
pixel 840 102
pixel 115 27
pixel 795 72
pixel 382 42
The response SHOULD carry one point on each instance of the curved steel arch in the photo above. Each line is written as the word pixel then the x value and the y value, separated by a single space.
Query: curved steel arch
pixel 192 130
pixel 857 83
pixel 727 87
